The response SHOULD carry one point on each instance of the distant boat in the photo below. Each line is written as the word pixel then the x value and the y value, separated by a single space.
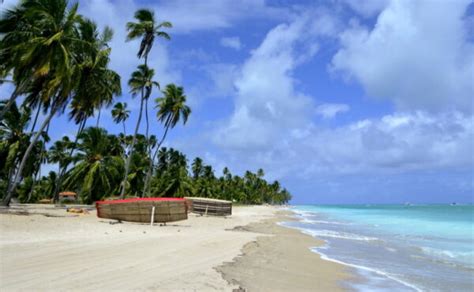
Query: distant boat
pixel 453 204
pixel 141 210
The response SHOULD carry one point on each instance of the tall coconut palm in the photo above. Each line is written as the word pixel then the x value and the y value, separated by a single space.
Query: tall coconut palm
pixel 140 83
pixel 46 58
pixel 172 108
pixel 120 114
pixel 147 29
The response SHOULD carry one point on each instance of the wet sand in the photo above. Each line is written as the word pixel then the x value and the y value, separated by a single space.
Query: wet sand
pixel 280 260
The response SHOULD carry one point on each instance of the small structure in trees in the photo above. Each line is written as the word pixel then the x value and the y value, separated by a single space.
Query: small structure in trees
pixel 67 197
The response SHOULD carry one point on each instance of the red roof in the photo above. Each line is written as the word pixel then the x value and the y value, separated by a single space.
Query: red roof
pixel 138 200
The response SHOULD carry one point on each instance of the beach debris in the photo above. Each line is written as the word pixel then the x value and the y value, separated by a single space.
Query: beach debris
pixel 77 210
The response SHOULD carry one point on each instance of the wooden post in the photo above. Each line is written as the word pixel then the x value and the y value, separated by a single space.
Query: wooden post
pixel 152 215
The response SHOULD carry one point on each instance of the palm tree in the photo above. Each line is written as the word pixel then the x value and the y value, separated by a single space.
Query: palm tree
pixel 120 114
pixel 45 58
pixel 97 84
pixel 147 29
pixel 171 109
pixel 99 168
pixel 197 168
pixel 38 38
pixel 140 82
pixel 12 139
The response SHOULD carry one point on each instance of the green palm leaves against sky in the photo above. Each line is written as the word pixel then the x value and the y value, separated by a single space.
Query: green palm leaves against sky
pixel 54 54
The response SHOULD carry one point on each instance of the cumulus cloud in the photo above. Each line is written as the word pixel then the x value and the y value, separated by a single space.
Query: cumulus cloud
pixel 393 144
pixel 330 110
pixel 189 16
pixel 267 104
pixel 231 42
pixel 417 55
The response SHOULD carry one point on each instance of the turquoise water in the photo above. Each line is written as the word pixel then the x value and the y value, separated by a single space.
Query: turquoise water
pixel 397 247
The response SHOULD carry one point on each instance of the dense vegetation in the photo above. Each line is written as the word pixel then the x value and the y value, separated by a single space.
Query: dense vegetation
pixel 58 62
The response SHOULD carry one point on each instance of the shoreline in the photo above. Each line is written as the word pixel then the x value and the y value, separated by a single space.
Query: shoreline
pixel 281 259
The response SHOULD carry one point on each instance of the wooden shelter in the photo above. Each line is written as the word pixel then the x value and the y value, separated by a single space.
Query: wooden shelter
pixel 146 210
pixel 70 196
pixel 206 206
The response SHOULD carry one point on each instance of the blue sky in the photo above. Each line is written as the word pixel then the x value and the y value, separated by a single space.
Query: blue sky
pixel 342 101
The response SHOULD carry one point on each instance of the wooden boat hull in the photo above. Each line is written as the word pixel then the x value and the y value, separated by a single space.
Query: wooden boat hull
pixel 206 206
pixel 140 210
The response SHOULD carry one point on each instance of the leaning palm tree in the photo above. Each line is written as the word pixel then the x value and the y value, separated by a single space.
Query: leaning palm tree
pixel 44 59
pixel 37 43
pixel 120 114
pixel 171 109
pixel 49 59
pixel 140 83
pixel 97 84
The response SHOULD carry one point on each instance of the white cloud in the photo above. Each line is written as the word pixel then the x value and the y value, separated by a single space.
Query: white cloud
pixel 188 16
pixel 416 55
pixel 397 142
pixel 231 42
pixel 267 105
pixel 393 144
pixel 222 76
pixel 330 110
pixel 123 56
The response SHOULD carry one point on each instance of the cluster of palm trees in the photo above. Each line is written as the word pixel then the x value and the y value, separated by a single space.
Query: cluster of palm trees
pixel 58 62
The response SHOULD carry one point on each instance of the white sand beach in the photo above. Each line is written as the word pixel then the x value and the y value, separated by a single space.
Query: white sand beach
pixel 84 253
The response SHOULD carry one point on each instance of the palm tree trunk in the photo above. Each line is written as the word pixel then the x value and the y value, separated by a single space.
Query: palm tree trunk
pixel 124 130
pixel 150 167
pixel 12 99
pixel 98 119
pixel 7 198
pixel 35 179
pixel 129 158
pixel 36 118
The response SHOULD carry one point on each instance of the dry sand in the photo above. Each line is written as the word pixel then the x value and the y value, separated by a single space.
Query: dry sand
pixel 82 253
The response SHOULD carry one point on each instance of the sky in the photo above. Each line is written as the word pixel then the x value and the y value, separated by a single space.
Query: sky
pixel 342 101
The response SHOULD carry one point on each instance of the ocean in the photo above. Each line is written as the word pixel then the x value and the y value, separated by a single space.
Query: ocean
pixel 396 247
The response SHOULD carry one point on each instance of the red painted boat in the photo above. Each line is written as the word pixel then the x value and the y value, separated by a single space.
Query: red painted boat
pixel 162 210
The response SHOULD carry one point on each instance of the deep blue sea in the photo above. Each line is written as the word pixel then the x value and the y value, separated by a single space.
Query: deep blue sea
pixel 396 247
